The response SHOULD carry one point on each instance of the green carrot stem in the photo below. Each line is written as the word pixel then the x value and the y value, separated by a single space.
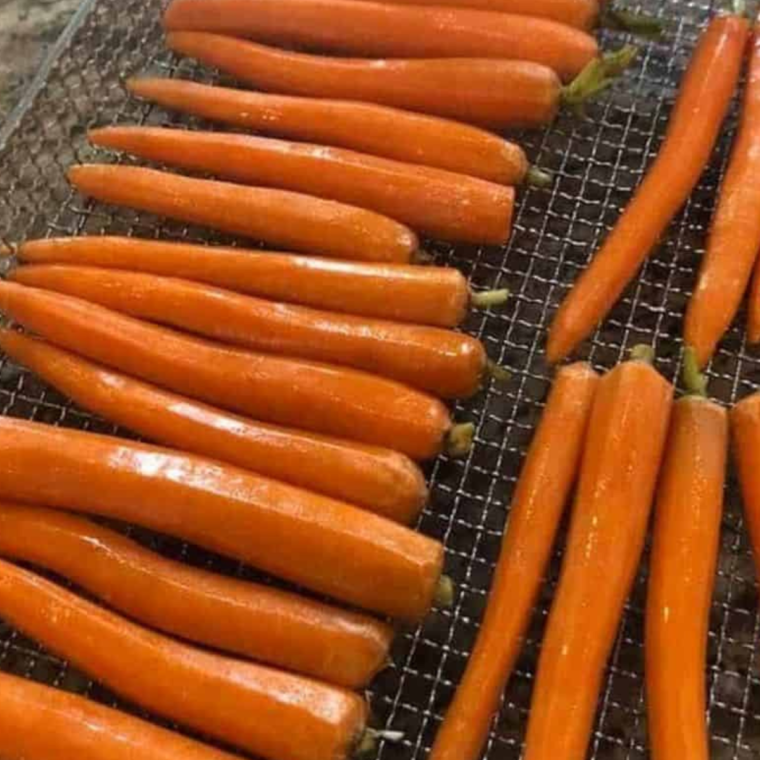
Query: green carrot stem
pixel 642 353
pixel 628 21
pixel 694 380
pixel 538 177
pixel 459 440
pixel 486 299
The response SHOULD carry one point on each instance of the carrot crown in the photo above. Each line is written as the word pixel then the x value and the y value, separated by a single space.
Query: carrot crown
pixel 694 380
pixel 642 353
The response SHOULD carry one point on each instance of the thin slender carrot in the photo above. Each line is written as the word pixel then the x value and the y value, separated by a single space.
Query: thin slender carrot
pixel 621 460
pixel 542 491
pixel 295 221
pixel 695 123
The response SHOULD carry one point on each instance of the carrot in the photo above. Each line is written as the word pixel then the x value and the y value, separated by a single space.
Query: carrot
pixel 424 295
pixel 436 202
pixel 40 723
pixel 324 545
pixel 442 362
pixel 380 480
pixel 695 123
pixel 382 29
pixel 540 496
pixel 682 576
pixel 298 222
pixel 324 399
pixel 621 459
pixel 735 234
pixel 369 128
pixel 483 91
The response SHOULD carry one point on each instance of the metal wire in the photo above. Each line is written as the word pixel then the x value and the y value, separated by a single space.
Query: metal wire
pixel 595 163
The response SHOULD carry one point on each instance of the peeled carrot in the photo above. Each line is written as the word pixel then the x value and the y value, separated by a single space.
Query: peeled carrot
pixel 374 28
pixel 324 545
pixel 424 295
pixel 436 202
pixel 373 129
pixel 319 397
pixel 695 123
pixel 621 460
pixel 298 222
pixel 543 488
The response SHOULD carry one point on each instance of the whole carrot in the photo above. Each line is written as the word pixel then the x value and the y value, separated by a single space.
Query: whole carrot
pixel 374 28
pixel 324 545
pixel 695 123
pixel 297 222
pixel 682 576
pixel 735 235
pixel 543 488
pixel 436 202
pixel 424 295
pixel 621 460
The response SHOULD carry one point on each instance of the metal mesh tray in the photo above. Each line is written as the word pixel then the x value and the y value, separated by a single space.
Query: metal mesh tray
pixel 596 163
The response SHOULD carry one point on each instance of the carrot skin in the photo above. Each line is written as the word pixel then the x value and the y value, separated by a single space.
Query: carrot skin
pixel 682 577
pixel 493 93
pixel 621 460
pixel 437 296
pixel 704 97
pixel 365 127
pixel 382 29
pixel 541 494
pixel 295 221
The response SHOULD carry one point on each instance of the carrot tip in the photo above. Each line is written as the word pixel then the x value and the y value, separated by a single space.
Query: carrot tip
pixel 486 299
pixel 459 439
pixel 444 594
pixel 538 178
pixel 694 380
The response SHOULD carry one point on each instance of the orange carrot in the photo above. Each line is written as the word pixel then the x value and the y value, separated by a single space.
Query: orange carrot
pixel 542 491
pixel 621 460
pixel 694 126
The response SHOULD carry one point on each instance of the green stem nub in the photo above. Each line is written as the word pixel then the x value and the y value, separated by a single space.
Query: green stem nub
pixel 486 299
pixel 693 379
pixel 739 7
pixel 444 594
pixel 459 439
pixel 497 372
pixel 538 177
pixel 642 353
pixel 635 23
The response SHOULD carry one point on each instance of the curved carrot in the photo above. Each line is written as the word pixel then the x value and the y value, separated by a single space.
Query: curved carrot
pixel 436 202
pixel 542 491
pixel 621 460
pixel 382 29
pixel 380 480
pixel 706 92
pixel 297 222
pixel 377 130
pixel 319 397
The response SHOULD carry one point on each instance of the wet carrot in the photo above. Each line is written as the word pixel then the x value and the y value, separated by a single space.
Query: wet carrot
pixel 621 460
pixel 436 202
pixel 366 127
pixel 295 221
pixel 540 496
pixel 383 29
pixel 695 123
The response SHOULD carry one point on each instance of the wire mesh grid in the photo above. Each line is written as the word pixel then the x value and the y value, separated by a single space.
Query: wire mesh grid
pixel 596 163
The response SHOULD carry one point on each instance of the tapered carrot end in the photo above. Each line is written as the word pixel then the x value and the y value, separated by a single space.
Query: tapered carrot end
pixel 556 347
pixel 753 333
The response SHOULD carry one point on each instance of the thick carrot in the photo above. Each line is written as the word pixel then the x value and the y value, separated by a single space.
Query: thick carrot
pixel 423 295
pixel 735 235
pixel 682 577
pixel 446 363
pixel 380 480
pixel 295 221
pixel 322 544
pixel 383 29
pixel 40 723
pixel 621 460
pixel 374 129
pixel 319 397
pixel 542 491
pixel 695 123
pixel 436 202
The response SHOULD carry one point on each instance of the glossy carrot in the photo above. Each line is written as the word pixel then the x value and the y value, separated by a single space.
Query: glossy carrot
pixel 40 723
pixel 322 544
pixel 366 127
pixel 380 480
pixel 735 234
pixel 682 576
pixel 695 123
pixel 437 202
pixel 621 460
pixel 336 401
pixel 545 483
pixel 383 29
pixel 424 295
pixel 297 222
